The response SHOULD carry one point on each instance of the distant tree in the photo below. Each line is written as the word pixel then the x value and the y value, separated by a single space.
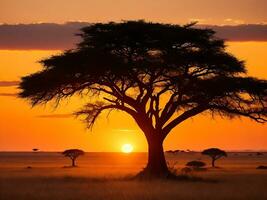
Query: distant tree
pixel 73 154
pixel 259 154
pixel 261 167
pixel 215 154
pixel 170 151
pixel 195 164
pixel 35 150
pixel 159 74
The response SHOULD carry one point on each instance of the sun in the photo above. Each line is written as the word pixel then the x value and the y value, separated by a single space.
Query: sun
pixel 127 148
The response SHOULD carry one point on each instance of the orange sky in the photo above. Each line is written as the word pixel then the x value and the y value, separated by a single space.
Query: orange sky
pixel 24 128
pixel 174 11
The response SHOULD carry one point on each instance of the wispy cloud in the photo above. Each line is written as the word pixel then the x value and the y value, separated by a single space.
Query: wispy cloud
pixel 39 36
pixel 241 32
pixel 8 83
pixel 62 36
pixel 59 116
pixel 4 94
pixel 234 21
pixel 123 130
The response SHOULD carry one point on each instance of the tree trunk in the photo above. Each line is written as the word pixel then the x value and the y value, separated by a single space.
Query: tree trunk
pixel 73 162
pixel 213 162
pixel 156 166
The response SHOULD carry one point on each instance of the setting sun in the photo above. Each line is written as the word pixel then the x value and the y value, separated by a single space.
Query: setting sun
pixel 127 148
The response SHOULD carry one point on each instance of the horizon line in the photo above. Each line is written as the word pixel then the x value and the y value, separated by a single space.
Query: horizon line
pixel 191 151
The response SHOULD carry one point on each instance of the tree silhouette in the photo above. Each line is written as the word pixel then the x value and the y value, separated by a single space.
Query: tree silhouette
pixel 215 154
pixel 35 150
pixel 73 154
pixel 160 74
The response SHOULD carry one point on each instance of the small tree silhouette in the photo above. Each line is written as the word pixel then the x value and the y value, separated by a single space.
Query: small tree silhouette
pixel 195 164
pixel 215 154
pixel 35 150
pixel 73 154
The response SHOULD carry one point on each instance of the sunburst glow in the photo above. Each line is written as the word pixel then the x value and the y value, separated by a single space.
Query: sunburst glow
pixel 127 148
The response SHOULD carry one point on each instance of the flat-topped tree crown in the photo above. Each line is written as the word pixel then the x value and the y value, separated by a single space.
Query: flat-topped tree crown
pixel 160 74
pixel 215 154
pixel 73 154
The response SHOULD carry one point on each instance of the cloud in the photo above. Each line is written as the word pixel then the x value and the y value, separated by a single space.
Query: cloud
pixel 8 83
pixel 62 36
pixel 40 36
pixel 241 32
pixel 58 116
pixel 234 21
pixel 3 94
pixel 123 130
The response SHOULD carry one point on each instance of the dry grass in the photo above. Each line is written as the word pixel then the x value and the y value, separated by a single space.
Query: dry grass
pixel 100 176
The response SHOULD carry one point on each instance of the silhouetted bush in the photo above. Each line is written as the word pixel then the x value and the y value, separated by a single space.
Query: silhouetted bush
pixel 172 168
pixel 186 170
pixel 170 151
pixel 35 150
pixel 196 165
pixel 262 167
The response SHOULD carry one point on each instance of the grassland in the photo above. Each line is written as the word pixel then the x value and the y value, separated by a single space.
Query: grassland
pixel 42 176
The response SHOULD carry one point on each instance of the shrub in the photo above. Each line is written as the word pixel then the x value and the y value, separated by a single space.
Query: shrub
pixel 195 164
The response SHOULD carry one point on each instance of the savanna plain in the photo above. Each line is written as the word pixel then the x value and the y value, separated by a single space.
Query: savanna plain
pixel 107 176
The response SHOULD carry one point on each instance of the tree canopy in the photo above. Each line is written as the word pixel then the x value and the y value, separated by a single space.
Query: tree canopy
pixel 215 154
pixel 160 74
pixel 73 154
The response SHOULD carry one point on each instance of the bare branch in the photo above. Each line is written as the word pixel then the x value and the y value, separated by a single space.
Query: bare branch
pixel 187 114
pixel 92 111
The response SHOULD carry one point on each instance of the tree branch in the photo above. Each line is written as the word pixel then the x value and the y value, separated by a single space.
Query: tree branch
pixel 187 114
pixel 92 111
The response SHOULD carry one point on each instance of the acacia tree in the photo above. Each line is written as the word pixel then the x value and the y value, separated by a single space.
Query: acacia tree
pixel 73 154
pixel 215 154
pixel 159 74
pixel 35 150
